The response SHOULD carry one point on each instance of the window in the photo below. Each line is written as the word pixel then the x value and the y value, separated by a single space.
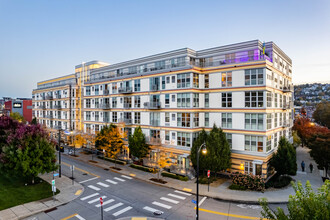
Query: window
pixel 254 121
pixel 173 117
pixel 195 80
pixel 275 120
pixel 97 90
pixel 173 135
pixel 173 98
pixel 173 79
pixel 195 100
pixel 183 120
pixel 254 143
pixel 207 82
pixel 167 118
pixel 128 102
pixel 281 117
pixel 167 136
pixel 226 119
pixel 114 102
pixel 227 100
pixel 183 80
pixel 114 117
pixel 196 120
pixel 229 139
pixel 269 143
pixel 163 82
pixel 137 101
pixel 269 99
pixel 88 90
pixel 254 99
pixel 275 139
pixel 183 139
pixel 114 88
pixel 97 116
pixel 155 118
pixel 183 100
pixel 88 116
pixel 269 121
pixel 88 103
pixel 276 100
pixel 167 99
pixel 281 101
pixel 207 119
pixel 97 103
pixel 167 79
pixel 137 118
pixel 137 85
pixel 248 167
pixel 226 79
pixel 254 77
pixel 207 99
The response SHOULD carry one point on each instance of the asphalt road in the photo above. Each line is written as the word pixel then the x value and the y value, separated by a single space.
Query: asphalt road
pixel 124 196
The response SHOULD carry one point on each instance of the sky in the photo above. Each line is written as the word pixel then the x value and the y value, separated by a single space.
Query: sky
pixel 45 39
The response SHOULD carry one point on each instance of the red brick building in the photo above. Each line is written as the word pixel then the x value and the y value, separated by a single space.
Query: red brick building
pixel 22 106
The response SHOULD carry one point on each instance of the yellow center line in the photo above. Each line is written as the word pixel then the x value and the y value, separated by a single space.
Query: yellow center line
pixel 187 189
pixel 132 174
pixel 230 215
pixel 71 216
pixel 78 192
pixel 84 171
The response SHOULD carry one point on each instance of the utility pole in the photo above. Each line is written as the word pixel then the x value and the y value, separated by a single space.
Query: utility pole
pixel 59 152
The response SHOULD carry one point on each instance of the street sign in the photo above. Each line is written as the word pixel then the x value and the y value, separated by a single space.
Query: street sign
pixel 54 188
pixel 55 174
pixel 53 182
pixel 194 201
pixel 101 201
pixel 208 174
pixel 72 168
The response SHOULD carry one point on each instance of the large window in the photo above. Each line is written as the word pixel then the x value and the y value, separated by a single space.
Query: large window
pixel 269 143
pixel 183 80
pixel 275 120
pixel 195 80
pixel 254 77
pixel 269 99
pixel 276 100
pixel 254 143
pixel 207 81
pixel 226 119
pixel 226 79
pixel 207 99
pixel 88 90
pixel 137 85
pixel 196 120
pixel 183 120
pixel 229 138
pixel 184 139
pixel 128 102
pixel 154 118
pixel 248 167
pixel 254 99
pixel 114 117
pixel 167 99
pixel 195 100
pixel 183 100
pixel 254 121
pixel 88 103
pixel 114 102
pixel 114 88
pixel 207 119
pixel 226 100
pixel 97 89
pixel 167 118
pixel 137 101
pixel 97 103
pixel 137 118
pixel 97 116
pixel 88 116
pixel 269 121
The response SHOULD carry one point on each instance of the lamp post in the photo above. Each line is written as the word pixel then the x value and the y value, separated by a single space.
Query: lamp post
pixel 204 151
pixel 59 152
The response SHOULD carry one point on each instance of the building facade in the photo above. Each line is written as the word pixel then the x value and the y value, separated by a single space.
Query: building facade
pixel 245 88
pixel 23 106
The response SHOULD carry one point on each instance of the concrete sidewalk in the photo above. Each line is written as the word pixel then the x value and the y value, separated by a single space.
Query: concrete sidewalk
pixel 222 192
pixel 68 192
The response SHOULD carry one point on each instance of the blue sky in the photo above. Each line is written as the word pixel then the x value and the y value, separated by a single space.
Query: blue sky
pixel 44 39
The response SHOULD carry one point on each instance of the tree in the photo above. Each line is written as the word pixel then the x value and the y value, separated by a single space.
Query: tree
pixel 162 162
pixel 284 160
pixel 303 110
pixel 296 139
pixel 34 121
pixel 303 127
pixel 304 205
pixel 110 139
pixel 17 116
pixel 322 114
pixel 137 144
pixel 203 161
pixel 80 140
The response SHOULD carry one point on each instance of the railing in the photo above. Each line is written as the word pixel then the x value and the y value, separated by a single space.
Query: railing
pixel 58 96
pixel 154 88
pixel 125 90
pixel 288 105
pixel 57 106
pixel 288 88
pixel 155 141
pixel 106 119
pixel 287 124
pixel 152 105
pixel 49 116
pixel 106 92
pixel 127 105
pixel 49 97
pixel 105 106
pixel 42 106
pixel 127 121
pixel 155 122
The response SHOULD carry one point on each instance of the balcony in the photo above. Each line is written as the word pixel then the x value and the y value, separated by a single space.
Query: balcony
pixel 58 96
pixel 288 88
pixel 152 105
pixel 154 88
pixel 127 105
pixel 106 92
pixel 49 116
pixel 287 124
pixel 105 106
pixel 42 106
pixel 106 119
pixel 57 107
pixel 287 105
pixel 127 121
pixel 155 122
pixel 49 97
pixel 125 90
pixel 155 141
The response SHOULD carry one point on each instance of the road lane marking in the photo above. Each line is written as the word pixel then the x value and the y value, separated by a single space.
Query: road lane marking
pixel 94 187
pixel 84 181
pixel 113 207
pixel 152 209
pixel 84 171
pixel 169 200
pixel 176 196
pixel 183 193
pixel 119 179
pixel 187 189
pixel 201 202
pixel 138 218
pixel 79 191
pixel 97 199
pixel 90 196
pixel 132 174
pixel 71 216
pixel 162 205
pixel 127 177
pixel 102 184
pixel 104 203
pixel 79 217
pixel 110 181
pixel 230 215
pixel 122 211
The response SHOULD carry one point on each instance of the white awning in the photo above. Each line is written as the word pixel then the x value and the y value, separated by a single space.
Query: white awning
pixel 260 162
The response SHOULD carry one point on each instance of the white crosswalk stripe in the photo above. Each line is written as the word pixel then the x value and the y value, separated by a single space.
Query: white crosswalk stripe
pixel 169 200
pixel 183 193
pixel 94 187
pixel 105 203
pixel 176 196
pixel 127 177
pixel 119 179
pixel 162 205
pixel 122 211
pixel 79 217
pixel 102 184
pixel 95 200
pixel 151 209
pixel 90 196
pixel 110 181
pixel 113 207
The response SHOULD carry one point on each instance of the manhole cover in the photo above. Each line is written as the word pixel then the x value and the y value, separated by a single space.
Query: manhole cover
pixel 84 174
pixel 106 169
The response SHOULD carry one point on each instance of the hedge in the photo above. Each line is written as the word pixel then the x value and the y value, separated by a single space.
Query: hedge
pixel 112 160
pixel 175 176
pixel 143 168
pixel 249 181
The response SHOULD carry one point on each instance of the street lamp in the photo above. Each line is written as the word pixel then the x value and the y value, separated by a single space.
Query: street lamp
pixel 204 151
pixel 59 152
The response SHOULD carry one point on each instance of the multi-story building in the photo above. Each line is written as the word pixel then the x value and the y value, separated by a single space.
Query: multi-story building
pixel 244 88
pixel 23 106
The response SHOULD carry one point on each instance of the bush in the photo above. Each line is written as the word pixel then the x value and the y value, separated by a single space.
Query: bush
pixel 249 181
pixel 143 168
pixel 112 160
pixel 237 187
pixel 175 176
pixel 205 180
pixel 278 181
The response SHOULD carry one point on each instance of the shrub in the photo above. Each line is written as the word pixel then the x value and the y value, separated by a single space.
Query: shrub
pixel 112 160
pixel 143 168
pixel 205 180
pixel 249 181
pixel 237 187
pixel 175 176
pixel 278 181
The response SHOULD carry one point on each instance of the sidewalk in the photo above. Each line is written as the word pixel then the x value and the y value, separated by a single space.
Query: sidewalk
pixel 68 193
pixel 221 192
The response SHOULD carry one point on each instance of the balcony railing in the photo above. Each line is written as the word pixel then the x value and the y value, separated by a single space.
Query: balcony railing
pixel 42 106
pixel 49 116
pixel 287 124
pixel 155 141
pixel 154 88
pixel 127 121
pixel 152 105
pixel 155 122
pixel 106 92
pixel 127 105
pixel 106 119
pixel 125 90
pixel 58 96
pixel 288 105
pixel 288 88
pixel 49 97
pixel 57 107
pixel 105 106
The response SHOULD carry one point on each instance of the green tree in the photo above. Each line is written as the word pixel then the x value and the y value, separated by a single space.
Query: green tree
pixel 304 205
pixel 322 114
pixel 296 139
pixel 284 159
pixel 137 144
pixel 203 160
pixel 17 116
pixel 34 121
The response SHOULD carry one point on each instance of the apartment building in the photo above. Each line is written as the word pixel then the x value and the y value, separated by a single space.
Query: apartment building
pixel 244 88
